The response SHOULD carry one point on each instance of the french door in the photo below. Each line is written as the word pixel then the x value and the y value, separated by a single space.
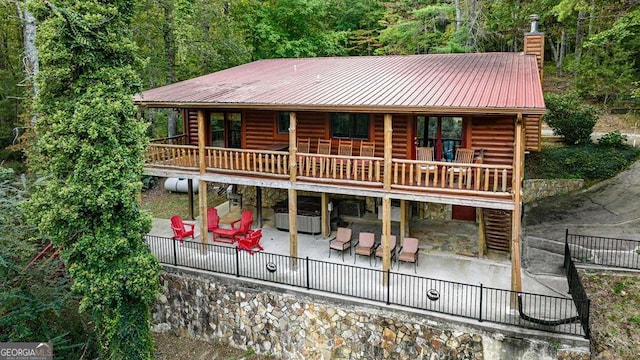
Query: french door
pixel 443 133
pixel 226 129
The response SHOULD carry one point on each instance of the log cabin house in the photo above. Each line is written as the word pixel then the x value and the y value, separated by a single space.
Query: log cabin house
pixel 353 126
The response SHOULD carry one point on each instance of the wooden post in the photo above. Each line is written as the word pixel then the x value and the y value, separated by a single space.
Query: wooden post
pixel 324 214
pixel 388 148
pixel 518 155
pixel 293 147
pixel 202 197
pixel 482 240
pixel 403 220
pixel 201 140
pixel 293 195
pixel 386 234
pixel 259 206
pixel 293 226
pixel 190 196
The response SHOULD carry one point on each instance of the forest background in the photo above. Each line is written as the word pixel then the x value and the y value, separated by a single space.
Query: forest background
pixel 593 44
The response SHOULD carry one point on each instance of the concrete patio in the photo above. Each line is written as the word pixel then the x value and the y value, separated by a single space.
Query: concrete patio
pixel 456 278
pixel 439 256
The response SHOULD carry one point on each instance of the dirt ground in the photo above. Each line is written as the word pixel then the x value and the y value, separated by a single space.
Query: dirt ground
pixel 172 347
pixel 615 315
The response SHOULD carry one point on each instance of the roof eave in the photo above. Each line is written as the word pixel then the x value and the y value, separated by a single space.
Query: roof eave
pixel 346 108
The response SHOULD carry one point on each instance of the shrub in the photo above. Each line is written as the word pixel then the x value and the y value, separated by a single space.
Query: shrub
pixel 613 139
pixel 586 161
pixel 569 118
pixel 148 182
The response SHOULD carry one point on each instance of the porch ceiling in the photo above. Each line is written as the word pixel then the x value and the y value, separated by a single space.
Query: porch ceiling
pixel 451 83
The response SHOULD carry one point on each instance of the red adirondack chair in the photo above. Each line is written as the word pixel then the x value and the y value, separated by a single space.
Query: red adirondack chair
pixel 230 234
pixel 213 220
pixel 180 228
pixel 251 241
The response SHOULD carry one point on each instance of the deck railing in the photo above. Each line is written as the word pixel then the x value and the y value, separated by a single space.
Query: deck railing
pixel 535 311
pixel 341 169
pixel 175 156
pixel 243 161
pixel 410 175
pixel 172 140
pixel 470 178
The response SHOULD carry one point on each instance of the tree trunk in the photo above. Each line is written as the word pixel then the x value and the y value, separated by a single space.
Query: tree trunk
pixel 170 53
pixel 579 34
pixel 473 16
pixel 555 50
pixel 30 60
pixel 563 50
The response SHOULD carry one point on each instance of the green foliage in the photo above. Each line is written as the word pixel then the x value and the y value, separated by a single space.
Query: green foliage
pixel 289 28
pixel 426 30
pixel 613 139
pixel 609 67
pixel 148 182
pixel 36 301
pixel 569 118
pixel 90 148
pixel 587 161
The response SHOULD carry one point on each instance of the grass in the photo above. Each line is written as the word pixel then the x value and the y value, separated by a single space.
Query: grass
pixel 615 315
pixel 163 204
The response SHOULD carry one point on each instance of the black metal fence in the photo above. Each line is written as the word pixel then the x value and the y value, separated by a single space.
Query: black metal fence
pixel 609 252
pixel 577 291
pixel 534 311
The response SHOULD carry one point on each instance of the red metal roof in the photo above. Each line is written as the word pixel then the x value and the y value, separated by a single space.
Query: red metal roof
pixel 474 82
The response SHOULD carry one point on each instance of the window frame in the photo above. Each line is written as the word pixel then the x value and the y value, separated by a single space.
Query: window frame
pixel 354 119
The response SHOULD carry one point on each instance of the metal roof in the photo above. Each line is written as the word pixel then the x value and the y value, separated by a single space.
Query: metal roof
pixel 472 82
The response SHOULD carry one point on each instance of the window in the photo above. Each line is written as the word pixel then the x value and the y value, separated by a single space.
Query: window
pixel 283 122
pixel 226 129
pixel 350 126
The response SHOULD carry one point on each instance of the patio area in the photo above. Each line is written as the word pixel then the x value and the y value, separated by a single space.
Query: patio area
pixel 448 249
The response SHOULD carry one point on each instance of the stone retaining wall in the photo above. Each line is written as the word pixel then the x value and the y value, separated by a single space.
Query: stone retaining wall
pixel 292 325
pixel 535 189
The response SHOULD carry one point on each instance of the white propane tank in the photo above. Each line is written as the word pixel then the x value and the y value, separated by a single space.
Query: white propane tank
pixel 179 185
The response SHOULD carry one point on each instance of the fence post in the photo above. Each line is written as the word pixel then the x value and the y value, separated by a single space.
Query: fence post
pixel 480 310
pixel 389 286
pixel 237 262
pixel 307 271
pixel 586 326
pixel 175 256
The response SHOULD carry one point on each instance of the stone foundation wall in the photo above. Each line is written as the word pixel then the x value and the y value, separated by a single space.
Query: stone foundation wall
pixel 435 211
pixel 291 325
pixel 535 189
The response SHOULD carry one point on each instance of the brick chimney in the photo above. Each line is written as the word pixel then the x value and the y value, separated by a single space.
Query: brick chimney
pixel 534 43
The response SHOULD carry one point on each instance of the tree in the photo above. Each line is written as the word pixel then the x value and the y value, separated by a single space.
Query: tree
pixel 609 67
pixel 30 51
pixel 90 147
pixel 36 301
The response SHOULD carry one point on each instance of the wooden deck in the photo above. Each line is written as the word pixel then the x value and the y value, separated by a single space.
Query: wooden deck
pixel 474 184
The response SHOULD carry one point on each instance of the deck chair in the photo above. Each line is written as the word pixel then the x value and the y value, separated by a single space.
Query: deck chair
pixel 425 154
pixel 463 156
pixel 342 241
pixel 213 220
pixel 180 228
pixel 365 246
pixel 409 252
pixel 251 241
pixel 392 248
pixel 367 149
pixel 229 235
pixel 345 147
pixel 324 148
pixel 303 148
